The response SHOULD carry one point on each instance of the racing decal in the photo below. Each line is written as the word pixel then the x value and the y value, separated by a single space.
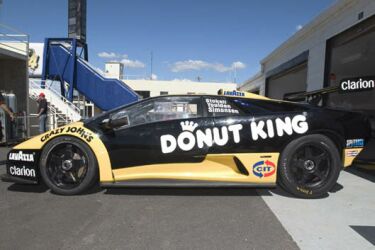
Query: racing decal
pixel 21 156
pixel 88 136
pixel 357 84
pixel 352 153
pixel 355 143
pixel 234 93
pixel 187 139
pixel 220 106
pixel 279 127
pixel 23 163
pixel 22 171
pixel 264 169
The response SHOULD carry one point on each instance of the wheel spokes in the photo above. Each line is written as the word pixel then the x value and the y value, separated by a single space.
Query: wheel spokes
pixel 67 166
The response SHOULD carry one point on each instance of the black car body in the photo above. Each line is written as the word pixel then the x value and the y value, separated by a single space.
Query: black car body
pixel 199 140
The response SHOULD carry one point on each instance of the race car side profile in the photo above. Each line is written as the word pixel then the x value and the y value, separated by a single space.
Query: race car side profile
pixel 196 141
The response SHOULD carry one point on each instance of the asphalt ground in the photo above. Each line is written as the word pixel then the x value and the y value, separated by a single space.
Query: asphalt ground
pixel 31 217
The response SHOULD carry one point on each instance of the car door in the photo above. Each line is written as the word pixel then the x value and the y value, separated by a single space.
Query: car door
pixel 159 130
pixel 263 126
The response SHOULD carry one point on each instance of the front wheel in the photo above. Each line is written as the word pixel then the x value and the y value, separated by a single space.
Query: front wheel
pixel 309 166
pixel 68 166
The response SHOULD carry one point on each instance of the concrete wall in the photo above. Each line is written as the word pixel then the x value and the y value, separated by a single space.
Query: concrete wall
pixel 178 87
pixel 313 37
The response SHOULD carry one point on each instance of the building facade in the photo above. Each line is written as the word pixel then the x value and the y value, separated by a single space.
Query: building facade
pixel 149 88
pixel 339 44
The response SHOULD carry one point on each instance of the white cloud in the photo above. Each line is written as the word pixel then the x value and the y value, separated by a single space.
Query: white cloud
pixel 298 27
pixel 154 77
pixel 122 58
pixel 187 65
pixel 111 55
pixel 238 65
pixel 181 80
pixel 132 63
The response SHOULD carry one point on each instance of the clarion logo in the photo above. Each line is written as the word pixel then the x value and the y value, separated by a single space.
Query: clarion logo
pixel 16 171
pixel 20 156
pixel 349 85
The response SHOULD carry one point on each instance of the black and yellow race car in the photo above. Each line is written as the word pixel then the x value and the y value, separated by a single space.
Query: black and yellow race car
pixel 241 140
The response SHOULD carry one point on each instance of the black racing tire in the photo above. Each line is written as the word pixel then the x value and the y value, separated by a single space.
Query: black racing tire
pixel 309 166
pixel 68 166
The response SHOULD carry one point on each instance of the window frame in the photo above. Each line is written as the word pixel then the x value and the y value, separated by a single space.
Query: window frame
pixel 200 113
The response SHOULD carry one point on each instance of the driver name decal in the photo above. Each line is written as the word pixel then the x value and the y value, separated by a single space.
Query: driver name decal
pixel 220 106
pixel 192 137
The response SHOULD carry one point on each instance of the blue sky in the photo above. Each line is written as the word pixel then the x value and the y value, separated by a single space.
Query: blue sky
pixel 188 38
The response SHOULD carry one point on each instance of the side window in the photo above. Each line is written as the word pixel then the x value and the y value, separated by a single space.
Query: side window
pixel 220 106
pixel 265 107
pixel 249 107
pixel 160 109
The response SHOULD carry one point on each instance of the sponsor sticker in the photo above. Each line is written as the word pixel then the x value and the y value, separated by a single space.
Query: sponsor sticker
pixel 355 143
pixel 264 169
pixel 22 163
pixel 352 153
pixel 192 136
pixel 234 93
pixel 82 132
pixel 220 106
pixel 357 84
pixel 21 156
pixel 22 171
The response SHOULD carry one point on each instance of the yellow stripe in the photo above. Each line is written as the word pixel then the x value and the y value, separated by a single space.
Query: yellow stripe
pixel 215 167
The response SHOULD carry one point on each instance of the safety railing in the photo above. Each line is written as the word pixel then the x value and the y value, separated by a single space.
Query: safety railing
pixel 61 109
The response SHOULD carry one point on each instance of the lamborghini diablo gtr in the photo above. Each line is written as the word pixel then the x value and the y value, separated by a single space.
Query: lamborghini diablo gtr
pixel 196 141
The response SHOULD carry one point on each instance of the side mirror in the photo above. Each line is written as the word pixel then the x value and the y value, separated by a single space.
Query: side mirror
pixel 115 123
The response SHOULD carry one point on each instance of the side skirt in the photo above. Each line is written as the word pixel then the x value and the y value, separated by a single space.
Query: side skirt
pixel 160 183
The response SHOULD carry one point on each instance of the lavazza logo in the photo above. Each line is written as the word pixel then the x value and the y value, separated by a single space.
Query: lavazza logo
pixel 190 137
pixel 20 156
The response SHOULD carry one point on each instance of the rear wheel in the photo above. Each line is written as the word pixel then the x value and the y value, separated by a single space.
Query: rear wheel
pixel 309 166
pixel 68 166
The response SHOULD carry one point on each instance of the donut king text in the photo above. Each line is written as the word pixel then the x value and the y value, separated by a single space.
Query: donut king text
pixel 189 138
pixel 72 130
pixel 349 85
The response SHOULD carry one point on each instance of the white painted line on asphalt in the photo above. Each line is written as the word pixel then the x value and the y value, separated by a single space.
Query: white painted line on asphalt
pixel 325 223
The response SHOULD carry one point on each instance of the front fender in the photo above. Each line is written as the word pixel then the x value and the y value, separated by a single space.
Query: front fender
pixel 78 130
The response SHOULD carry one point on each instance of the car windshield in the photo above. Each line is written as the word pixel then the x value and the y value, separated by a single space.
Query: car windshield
pixel 160 109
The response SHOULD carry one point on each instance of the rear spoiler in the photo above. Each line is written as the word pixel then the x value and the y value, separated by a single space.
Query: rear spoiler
pixel 312 97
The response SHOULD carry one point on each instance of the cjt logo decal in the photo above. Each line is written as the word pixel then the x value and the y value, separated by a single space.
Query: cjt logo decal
pixel 264 169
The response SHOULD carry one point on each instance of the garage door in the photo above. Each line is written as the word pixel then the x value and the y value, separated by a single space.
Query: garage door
pixel 291 81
